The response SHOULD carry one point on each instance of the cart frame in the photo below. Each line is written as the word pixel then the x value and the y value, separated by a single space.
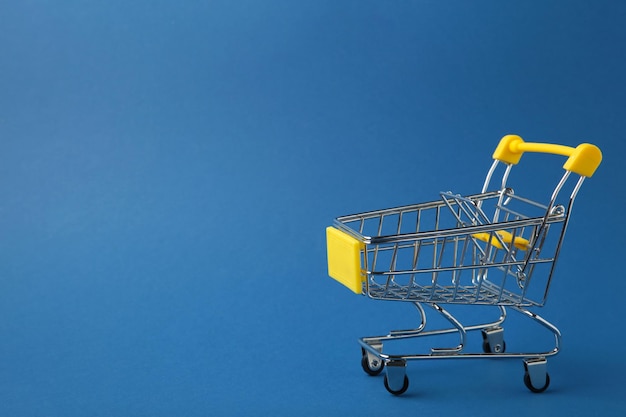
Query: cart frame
pixel 479 249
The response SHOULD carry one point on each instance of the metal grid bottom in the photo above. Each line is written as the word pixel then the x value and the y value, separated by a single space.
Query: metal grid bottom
pixel 486 294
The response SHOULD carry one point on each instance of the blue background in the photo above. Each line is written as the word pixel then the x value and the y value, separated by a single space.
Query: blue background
pixel 167 170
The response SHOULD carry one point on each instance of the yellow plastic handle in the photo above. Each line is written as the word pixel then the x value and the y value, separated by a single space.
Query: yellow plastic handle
pixel 583 159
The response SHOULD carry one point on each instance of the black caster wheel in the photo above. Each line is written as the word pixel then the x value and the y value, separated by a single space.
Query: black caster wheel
pixel 493 340
pixel 372 369
pixel 402 390
pixel 534 389
pixel 499 348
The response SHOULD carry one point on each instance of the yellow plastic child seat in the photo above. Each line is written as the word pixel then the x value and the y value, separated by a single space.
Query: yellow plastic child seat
pixel 506 237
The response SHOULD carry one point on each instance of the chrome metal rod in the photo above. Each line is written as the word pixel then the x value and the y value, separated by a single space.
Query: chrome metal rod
pixel 419 332
pixel 365 343
pixel 458 326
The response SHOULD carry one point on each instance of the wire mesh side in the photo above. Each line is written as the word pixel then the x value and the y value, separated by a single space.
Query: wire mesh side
pixel 450 252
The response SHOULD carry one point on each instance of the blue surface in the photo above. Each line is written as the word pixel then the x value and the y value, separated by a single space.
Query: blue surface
pixel 167 170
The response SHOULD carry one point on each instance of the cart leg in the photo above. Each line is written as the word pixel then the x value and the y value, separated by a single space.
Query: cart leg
pixel 459 328
pixel 417 330
pixel 396 380
pixel 536 376
pixel 545 323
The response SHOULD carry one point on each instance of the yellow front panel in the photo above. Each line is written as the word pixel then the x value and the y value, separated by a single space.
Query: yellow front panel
pixel 344 259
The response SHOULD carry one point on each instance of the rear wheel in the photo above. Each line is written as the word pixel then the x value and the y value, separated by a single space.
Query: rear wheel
pixel 498 348
pixel 402 390
pixel 493 340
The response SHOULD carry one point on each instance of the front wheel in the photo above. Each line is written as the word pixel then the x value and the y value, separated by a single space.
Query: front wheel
pixel 533 388
pixel 402 390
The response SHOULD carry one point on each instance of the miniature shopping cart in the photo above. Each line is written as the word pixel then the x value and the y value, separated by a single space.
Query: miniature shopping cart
pixel 495 248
